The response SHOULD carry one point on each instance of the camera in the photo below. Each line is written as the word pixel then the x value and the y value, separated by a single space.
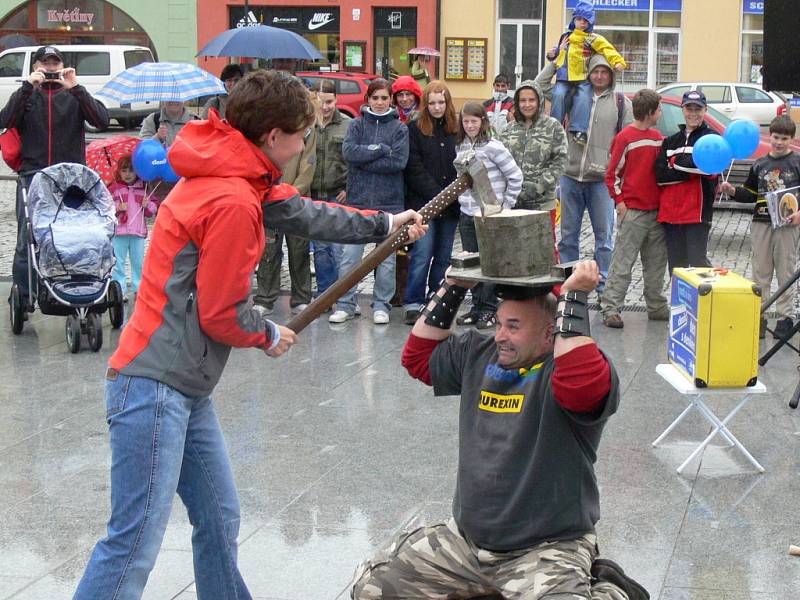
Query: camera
pixel 49 75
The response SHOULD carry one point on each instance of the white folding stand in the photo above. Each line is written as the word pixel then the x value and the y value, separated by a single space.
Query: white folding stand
pixel 674 377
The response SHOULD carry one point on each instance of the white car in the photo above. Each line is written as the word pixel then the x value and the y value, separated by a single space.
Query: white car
pixel 735 100
pixel 95 65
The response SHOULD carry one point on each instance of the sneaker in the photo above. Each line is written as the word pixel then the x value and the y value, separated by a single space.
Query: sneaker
pixel 762 328
pixel 380 317
pixel 580 137
pixel 340 316
pixel 469 318
pixel 614 321
pixel 296 310
pixel 609 571
pixel 411 316
pixel 486 320
pixel 783 329
pixel 357 311
pixel 263 310
pixel 661 314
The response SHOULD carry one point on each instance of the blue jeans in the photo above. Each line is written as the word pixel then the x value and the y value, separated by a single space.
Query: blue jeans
pixel 483 298
pixel 326 264
pixel 574 98
pixel 162 442
pixel 577 197
pixel 128 246
pixel 384 287
pixel 430 258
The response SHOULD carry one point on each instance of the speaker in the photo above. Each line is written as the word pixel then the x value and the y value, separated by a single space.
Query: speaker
pixel 781 53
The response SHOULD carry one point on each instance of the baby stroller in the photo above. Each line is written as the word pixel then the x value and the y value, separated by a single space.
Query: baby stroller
pixel 70 220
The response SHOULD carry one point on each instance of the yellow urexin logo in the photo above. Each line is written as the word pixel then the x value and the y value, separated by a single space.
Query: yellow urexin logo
pixel 501 403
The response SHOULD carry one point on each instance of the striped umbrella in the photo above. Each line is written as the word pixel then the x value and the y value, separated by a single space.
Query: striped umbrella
pixel 161 82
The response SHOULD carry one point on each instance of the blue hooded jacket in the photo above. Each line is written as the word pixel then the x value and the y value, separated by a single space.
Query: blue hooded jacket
pixel 585 10
pixel 376 150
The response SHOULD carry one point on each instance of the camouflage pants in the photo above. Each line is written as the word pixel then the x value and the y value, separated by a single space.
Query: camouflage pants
pixel 438 562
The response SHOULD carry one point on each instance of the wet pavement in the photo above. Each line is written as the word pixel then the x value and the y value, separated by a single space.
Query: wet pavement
pixel 335 448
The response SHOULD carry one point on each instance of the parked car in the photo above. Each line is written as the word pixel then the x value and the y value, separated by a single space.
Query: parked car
pixel 95 65
pixel 735 100
pixel 350 88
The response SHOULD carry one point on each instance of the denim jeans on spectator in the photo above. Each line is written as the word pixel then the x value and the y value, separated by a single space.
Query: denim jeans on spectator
pixel 164 442
pixel 576 198
pixel 483 298
pixel 575 99
pixel 326 260
pixel 382 290
pixel 430 258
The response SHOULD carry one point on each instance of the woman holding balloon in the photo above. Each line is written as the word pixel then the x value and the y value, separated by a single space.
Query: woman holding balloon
pixel 687 192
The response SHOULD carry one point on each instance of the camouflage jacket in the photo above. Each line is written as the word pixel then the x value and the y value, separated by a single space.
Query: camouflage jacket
pixel 540 150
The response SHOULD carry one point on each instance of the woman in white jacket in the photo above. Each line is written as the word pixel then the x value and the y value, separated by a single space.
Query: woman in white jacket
pixel 475 135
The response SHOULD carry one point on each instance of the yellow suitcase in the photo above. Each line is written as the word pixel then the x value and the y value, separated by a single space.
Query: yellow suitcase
pixel 713 332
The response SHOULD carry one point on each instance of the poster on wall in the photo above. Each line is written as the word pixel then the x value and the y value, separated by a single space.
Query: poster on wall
pixel 476 60
pixel 454 58
pixel 355 56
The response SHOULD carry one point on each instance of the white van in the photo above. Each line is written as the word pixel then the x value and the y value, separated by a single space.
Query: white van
pixel 95 65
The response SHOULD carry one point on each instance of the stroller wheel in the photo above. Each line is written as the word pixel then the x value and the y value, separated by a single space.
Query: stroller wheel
pixel 94 331
pixel 16 310
pixel 73 330
pixel 116 310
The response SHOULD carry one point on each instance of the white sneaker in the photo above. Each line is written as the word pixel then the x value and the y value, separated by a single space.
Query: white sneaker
pixel 340 316
pixel 296 310
pixel 263 310
pixel 380 317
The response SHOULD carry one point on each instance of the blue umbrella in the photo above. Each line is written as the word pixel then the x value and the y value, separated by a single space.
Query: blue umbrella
pixel 261 41
pixel 161 82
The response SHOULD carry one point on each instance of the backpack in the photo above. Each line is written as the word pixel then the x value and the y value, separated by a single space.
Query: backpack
pixel 11 147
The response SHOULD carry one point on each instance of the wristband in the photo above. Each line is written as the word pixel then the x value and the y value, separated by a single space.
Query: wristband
pixel 442 308
pixel 574 315
pixel 273 333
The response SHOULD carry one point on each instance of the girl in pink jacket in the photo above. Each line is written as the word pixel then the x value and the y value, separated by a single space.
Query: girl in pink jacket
pixel 133 205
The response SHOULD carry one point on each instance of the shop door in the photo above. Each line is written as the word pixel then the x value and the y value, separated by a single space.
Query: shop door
pixel 519 57
pixel 395 35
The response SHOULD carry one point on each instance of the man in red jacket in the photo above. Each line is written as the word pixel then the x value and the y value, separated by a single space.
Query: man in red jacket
pixel 534 402
pixel 191 309
pixel 631 181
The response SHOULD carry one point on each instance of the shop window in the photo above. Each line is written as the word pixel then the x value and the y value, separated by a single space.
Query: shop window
pixel 632 45
pixel 667 19
pixel 123 22
pixel 748 95
pixel 752 57
pixel 19 20
pixel 11 64
pixel 753 21
pixel 521 9
pixel 716 94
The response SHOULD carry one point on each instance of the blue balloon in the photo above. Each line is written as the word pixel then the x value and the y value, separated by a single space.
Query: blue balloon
pixel 743 135
pixel 148 159
pixel 167 174
pixel 712 154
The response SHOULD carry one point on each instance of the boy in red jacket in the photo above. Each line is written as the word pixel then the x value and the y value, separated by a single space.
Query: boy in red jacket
pixel 631 181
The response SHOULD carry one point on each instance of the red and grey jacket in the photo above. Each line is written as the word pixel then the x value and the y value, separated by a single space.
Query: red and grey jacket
pixel 192 306
pixel 50 121
pixel 687 194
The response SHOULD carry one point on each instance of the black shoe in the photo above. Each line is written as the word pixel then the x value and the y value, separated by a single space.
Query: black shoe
pixel 469 318
pixel 607 570
pixel 580 137
pixel 783 328
pixel 411 316
pixel 486 320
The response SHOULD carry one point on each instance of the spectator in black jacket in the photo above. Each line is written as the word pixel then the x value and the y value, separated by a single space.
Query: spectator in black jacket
pixel 48 111
pixel 432 150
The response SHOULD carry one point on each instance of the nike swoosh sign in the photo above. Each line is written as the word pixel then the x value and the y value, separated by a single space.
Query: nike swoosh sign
pixel 313 26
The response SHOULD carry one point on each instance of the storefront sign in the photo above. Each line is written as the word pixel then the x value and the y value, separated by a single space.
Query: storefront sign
pixel 753 7
pixel 69 16
pixel 633 5
pixel 396 21
pixel 300 20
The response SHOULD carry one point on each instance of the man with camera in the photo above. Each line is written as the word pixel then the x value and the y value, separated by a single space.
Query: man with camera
pixel 48 111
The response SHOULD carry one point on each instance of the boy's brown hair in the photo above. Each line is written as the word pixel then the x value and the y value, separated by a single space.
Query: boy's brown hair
pixel 266 100
pixel 645 102
pixel 475 109
pixel 783 125
pixel 425 121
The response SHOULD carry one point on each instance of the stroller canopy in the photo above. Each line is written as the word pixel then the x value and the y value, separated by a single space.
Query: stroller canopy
pixel 73 219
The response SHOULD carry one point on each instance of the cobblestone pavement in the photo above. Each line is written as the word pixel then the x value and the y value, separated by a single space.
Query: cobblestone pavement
pixel 729 245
